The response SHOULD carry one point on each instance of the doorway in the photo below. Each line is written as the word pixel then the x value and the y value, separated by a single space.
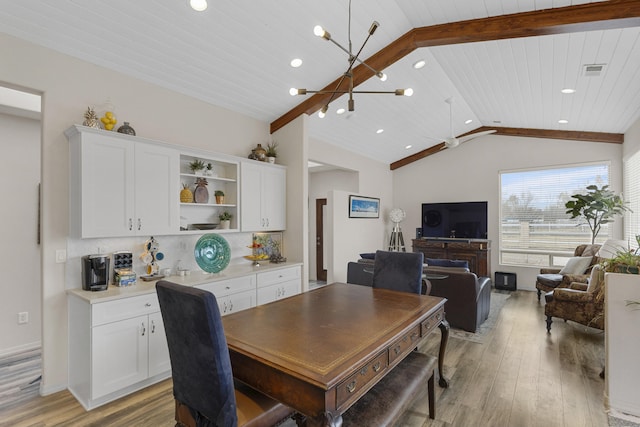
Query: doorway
pixel 321 271
pixel 20 249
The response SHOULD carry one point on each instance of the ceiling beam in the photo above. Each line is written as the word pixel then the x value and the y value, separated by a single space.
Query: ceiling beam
pixel 612 138
pixel 603 15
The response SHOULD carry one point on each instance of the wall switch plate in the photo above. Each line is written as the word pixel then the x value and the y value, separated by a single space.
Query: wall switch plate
pixel 61 256
pixel 23 317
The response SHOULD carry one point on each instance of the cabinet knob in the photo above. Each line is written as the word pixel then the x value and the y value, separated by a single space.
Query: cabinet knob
pixel 148 304
pixel 130 224
pixel 139 223
pixel 144 329
pixel 153 327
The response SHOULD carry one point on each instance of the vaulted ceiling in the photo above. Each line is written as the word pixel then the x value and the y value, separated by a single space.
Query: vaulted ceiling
pixel 236 54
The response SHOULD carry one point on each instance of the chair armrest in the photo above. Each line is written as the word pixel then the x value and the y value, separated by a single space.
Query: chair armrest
pixel 579 286
pixel 549 270
pixel 426 287
pixel 568 279
pixel 566 294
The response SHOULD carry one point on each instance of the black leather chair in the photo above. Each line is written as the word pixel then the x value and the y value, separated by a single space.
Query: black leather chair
pixel 203 384
pixel 398 271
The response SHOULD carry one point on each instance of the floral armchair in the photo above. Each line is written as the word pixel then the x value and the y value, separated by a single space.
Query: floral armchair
pixel 581 303
pixel 550 278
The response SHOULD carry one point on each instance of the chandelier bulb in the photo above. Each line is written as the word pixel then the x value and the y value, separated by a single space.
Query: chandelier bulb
pixel 323 112
pixel 320 32
pixel 408 92
pixel 374 27
pixel 293 91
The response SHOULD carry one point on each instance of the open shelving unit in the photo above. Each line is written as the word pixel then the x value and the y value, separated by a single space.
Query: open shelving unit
pixel 224 177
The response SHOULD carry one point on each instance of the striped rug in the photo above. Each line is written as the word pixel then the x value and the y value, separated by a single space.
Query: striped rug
pixel 20 376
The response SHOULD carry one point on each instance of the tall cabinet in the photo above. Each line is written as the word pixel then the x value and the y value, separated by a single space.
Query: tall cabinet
pixel 263 196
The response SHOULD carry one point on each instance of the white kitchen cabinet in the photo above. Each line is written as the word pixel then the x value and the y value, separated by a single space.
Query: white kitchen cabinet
pixel 278 284
pixel 263 196
pixel 233 295
pixel 115 347
pixel 121 185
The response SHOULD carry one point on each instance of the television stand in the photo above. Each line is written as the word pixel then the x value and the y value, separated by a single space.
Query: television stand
pixel 477 252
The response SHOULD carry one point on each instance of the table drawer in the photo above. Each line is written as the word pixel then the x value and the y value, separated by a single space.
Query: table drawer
pixel 404 344
pixel 431 322
pixel 352 385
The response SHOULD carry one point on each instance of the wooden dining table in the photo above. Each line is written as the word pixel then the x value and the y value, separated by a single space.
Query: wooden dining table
pixel 320 351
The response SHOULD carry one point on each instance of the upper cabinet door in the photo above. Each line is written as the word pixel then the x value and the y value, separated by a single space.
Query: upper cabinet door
pixel 263 197
pixel 157 194
pixel 103 177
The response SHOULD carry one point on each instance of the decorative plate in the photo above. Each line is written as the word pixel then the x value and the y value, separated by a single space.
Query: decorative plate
pixel 212 253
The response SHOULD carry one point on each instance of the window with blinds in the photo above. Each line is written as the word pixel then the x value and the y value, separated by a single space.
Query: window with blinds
pixel 534 228
pixel 631 194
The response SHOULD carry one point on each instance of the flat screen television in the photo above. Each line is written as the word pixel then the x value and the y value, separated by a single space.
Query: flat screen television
pixel 467 220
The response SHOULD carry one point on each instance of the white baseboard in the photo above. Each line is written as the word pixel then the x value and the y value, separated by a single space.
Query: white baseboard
pixel 47 390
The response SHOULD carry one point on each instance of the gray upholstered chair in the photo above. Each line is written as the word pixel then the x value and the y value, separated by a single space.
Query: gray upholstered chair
pixel 398 271
pixel 203 385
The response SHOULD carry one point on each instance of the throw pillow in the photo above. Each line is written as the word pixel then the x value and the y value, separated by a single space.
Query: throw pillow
pixel 577 265
pixel 434 262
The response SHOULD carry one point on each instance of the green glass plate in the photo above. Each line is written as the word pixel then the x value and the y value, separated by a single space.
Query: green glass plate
pixel 212 253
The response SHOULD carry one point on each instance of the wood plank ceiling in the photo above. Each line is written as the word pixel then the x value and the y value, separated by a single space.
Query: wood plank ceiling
pixel 236 55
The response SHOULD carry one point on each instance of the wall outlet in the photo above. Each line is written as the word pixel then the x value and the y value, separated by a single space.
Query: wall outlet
pixel 23 317
pixel 61 256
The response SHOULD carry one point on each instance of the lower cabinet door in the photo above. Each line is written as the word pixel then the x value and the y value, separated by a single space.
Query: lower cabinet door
pixel 159 360
pixel 278 291
pixel 119 355
pixel 242 301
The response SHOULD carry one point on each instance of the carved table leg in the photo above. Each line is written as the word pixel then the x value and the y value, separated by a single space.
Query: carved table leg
pixel 444 330
pixel 328 419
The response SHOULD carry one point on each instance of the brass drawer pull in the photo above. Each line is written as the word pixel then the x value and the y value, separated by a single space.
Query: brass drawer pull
pixel 351 386
pixel 377 366
pixel 414 336
pixel 439 316
pixel 397 350
pixel 363 371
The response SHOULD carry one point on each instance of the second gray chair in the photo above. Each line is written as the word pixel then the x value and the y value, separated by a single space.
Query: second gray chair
pixel 398 271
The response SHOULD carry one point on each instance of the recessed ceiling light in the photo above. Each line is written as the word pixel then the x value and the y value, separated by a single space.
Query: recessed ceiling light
pixel 198 5
pixel 296 62
pixel 568 90
pixel 408 146
pixel 466 122
pixel 563 121
pixel 340 111
pixel 380 131
pixel 419 64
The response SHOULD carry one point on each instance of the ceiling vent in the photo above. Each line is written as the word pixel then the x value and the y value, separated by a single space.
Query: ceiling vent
pixel 593 70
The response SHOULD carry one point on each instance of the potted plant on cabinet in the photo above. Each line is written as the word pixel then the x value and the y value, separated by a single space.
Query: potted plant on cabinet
pixel 219 196
pixel 598 207
pixel 272 151
pixel 197 166
pixel 225 220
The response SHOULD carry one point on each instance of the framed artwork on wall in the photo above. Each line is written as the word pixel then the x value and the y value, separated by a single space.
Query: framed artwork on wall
pixel 364 207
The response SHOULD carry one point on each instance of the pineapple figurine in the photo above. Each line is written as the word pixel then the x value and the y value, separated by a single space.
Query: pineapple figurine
pixel 201 194
pixel 91 119
pixel 186 196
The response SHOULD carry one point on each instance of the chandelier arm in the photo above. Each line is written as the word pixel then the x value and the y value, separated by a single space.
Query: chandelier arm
pixel 342 92
pixel 376 72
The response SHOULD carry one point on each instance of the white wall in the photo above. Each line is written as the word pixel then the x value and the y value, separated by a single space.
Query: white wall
pixel 632 140
pixel 471 173
pixel 19 250
pixel 68 87
pixel 351 236
pixel 320 183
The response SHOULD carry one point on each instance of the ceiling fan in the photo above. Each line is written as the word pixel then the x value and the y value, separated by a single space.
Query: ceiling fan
pixel 452 141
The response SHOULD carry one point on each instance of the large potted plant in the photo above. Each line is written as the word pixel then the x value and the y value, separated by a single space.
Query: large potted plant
pixel 598 206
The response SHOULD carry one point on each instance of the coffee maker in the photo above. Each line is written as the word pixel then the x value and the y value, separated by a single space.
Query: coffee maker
pixel 95 272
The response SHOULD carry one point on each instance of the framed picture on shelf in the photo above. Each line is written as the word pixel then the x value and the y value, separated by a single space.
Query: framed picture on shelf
pixel 364 207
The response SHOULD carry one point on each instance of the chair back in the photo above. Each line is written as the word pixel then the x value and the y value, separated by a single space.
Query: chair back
pixel 399 271
pixel 200 364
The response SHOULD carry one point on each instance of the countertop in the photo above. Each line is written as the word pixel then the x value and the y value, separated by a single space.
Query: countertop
pixel 195 278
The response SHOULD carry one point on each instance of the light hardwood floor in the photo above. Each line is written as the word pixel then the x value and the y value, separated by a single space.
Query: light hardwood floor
pixel 519 376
